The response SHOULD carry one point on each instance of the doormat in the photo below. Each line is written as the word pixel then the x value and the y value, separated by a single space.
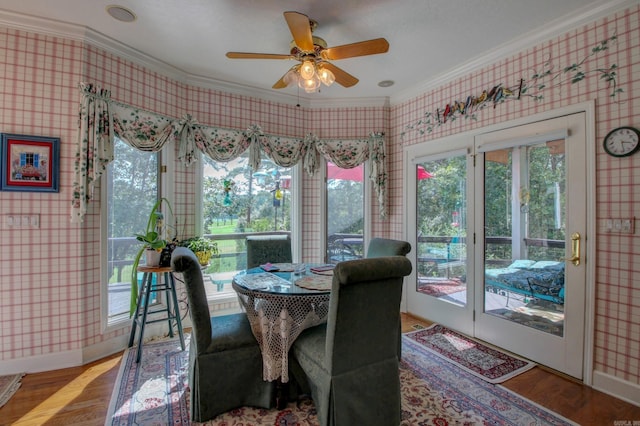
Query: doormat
pixel 438 287
pixel 539 320
pixel 8 386
pixel 434 391
pixel 489 364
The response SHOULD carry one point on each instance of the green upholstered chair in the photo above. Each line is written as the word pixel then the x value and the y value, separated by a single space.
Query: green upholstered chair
pixel 350 364
pixel 386 247
pixel 379 247
pixel 268 248
pixel 225 362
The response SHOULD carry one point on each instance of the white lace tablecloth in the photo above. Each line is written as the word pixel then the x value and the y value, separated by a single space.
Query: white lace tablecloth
pixel 278 318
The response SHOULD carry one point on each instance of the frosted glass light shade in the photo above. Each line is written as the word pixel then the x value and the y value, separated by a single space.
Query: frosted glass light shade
pixel 307 70
pixel 326 76
pixel 290 78
pixel 309 85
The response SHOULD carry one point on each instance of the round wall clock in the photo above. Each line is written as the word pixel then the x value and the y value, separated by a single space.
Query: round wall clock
pixel 622 141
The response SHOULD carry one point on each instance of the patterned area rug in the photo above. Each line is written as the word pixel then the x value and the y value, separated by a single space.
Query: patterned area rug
pixel 434 392
pixel 487 363
pixel 8 386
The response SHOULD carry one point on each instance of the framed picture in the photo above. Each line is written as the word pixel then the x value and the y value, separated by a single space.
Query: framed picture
pixel 29 163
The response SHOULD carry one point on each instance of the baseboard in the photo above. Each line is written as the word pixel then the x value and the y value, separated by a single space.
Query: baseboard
pixel 45 362
pixel 614 386
pixel 105 348
pixel 75 358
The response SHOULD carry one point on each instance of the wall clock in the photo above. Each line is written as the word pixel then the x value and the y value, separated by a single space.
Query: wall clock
pixel 622 141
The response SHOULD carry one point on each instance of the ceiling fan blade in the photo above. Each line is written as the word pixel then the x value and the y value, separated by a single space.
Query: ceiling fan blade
pixel 342 77
pixel 362 48
pixel 300 28
pixel 245 55
pixel 280 84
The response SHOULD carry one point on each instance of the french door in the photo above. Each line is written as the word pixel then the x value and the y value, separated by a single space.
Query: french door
pixel 439 222
pixel 502 256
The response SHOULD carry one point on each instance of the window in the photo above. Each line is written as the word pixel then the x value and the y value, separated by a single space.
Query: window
pixel 441 225
pixel 132 187
pixel 236 202
pixel 345 213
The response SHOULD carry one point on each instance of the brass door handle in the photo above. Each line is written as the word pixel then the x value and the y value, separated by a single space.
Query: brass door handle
pixel 575 249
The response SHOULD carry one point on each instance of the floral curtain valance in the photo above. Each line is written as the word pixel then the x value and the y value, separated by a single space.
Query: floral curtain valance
pixel 102 119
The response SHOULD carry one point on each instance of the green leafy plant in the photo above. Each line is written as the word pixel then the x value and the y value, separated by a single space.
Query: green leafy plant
pixel 151 240
pixel 203 244
pixel 204 248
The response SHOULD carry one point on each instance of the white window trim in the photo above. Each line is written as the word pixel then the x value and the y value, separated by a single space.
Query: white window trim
pixel 296 219
pixel 367 210
pixel 167 188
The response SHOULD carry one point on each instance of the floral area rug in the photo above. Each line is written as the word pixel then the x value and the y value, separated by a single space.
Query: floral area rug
pixel 487 363
pixel 434 392
pixel 9 386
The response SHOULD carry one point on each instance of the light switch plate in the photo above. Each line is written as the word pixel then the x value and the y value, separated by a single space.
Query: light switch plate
pixel 21 221
pixel 620 225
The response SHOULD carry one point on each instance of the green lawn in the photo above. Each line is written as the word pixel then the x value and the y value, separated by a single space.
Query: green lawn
pixel 227 228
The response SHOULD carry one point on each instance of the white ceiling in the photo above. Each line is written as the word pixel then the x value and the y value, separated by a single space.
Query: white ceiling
pixel 430 40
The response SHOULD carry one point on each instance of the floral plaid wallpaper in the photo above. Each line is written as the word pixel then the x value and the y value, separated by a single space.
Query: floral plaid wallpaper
pixel 49 277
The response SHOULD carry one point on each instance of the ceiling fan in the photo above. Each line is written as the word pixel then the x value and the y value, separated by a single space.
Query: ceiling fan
pixel 314 56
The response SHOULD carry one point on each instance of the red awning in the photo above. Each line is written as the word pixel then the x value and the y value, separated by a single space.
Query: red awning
pixel 423 174
pixel 355 174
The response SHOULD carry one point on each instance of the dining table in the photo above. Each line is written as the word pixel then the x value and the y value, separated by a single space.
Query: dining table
pixel 282 300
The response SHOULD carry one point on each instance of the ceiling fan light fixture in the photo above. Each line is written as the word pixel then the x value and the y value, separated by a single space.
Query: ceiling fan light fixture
pixel 326 76
pixel 291 77
pixel 310 85
pixel 307 70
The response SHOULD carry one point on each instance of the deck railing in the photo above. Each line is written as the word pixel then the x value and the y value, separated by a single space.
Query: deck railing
pixel 436 250
pixel 231 247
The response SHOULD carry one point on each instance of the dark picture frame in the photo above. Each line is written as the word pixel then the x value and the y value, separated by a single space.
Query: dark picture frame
pixel 29 163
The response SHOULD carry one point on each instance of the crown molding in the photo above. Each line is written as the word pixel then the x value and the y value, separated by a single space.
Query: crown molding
pixel 34 24
pixel 87 35
pixel 549 31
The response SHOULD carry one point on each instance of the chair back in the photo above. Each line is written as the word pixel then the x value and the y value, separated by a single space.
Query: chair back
pixel 185 262
pixel 268 248
pixel 379 247
pixel 364 312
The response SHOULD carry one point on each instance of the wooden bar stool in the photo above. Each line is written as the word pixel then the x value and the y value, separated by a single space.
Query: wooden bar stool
pixel 168 286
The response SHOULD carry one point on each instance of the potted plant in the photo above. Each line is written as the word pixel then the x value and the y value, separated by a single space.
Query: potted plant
pixel 204 248
pixel 152 245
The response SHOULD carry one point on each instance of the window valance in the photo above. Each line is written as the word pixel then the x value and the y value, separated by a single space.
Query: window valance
pixel 101 119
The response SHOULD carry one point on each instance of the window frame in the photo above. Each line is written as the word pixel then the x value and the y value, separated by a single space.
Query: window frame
pixel 296 218
pixel 166 168
pixel 369 204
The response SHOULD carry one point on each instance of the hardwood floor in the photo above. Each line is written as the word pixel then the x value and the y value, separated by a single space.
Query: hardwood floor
pixel 565 396
pixel 80 395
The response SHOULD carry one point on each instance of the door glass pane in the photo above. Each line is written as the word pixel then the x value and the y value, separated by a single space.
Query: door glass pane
pixel 132 190
pixel 525 234
pixel 441 226
pixel 345 213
